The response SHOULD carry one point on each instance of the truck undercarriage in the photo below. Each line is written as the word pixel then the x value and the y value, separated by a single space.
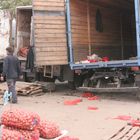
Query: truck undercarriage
pixel 110 80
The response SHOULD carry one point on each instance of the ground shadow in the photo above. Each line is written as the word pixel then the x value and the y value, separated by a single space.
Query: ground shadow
pixel 63 89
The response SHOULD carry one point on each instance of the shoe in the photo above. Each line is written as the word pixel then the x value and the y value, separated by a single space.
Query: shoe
pixel 14 102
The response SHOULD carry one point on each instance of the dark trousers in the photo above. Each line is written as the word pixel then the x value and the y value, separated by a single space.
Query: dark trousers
pixel 11 88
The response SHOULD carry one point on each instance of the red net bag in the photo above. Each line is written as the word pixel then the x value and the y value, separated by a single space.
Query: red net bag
pixel 11 135
pixel 21 119
pixel 49 130
pixel 30 135
pixel 27 135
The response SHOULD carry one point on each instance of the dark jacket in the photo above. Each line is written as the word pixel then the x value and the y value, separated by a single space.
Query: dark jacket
pixel 11 67
pixel 30 59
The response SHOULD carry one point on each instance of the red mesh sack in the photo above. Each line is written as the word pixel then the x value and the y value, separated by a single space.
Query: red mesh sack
pixel 11 135
pixel 21 119
pixel 23 51
pixel 30 135
pixel 49 130
pixel 27 135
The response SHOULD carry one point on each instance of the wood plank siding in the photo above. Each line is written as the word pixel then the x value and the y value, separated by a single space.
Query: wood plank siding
pixel 50 32
pixel 117 40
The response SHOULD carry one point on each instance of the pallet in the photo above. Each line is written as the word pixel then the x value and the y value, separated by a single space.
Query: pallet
pixel 127 132
pixel 24 89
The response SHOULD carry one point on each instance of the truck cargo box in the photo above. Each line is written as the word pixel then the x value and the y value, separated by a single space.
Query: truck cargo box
pixel 50 32
pixel 105 28
pixel 67 32
pixel 23 28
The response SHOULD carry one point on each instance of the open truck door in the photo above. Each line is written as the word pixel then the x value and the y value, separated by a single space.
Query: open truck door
pixel 137 17
pixel 50 32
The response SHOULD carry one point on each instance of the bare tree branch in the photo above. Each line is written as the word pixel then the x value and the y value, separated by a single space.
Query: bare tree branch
pixel 12 4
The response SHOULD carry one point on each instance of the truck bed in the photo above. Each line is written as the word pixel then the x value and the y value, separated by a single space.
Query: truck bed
pixel 109 90
pixel 109 64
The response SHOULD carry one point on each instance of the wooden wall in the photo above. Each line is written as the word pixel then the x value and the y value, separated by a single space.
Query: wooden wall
pixel 117 30
pixel 79 29
pixel 50 32
pixel 129 35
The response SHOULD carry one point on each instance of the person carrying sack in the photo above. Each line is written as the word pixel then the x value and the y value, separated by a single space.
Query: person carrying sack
pixel 12 71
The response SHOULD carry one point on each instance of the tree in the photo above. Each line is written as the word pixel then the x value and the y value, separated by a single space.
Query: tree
pixel 12 4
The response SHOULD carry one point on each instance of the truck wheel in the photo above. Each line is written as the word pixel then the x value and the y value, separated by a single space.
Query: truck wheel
pixel 71 85
pixel 49 79
pixel 138 95
pixel 49 87
pixel 78 80
pixel 137 83
pixel 86 83
pixel 28 78
pixel 25 78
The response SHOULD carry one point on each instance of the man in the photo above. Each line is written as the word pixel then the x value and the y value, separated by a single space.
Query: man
pixel 12 71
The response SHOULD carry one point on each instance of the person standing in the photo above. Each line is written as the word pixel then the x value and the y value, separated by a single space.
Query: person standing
pixel 12 71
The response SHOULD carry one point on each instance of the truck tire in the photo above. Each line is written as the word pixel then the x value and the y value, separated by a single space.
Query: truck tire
pixel 49 87
pixel 138 95
pixel 25 78
pixel 137 83
pixel 71 85
pixel 86 83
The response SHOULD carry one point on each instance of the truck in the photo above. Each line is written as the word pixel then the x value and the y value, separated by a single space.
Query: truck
pixel 94 45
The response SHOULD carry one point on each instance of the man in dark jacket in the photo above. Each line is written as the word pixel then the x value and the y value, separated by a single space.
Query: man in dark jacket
pixel 12 71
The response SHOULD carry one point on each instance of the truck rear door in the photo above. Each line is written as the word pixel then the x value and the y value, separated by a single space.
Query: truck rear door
pixel 50 32
pixel 137 16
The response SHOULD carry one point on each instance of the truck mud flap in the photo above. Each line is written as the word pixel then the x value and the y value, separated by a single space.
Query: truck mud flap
pixel 101 90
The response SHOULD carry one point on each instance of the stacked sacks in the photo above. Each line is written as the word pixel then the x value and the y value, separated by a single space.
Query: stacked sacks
pixel 19 118
pixel 11 135
pixel 24 134
pixel 48 130
pixel 19 124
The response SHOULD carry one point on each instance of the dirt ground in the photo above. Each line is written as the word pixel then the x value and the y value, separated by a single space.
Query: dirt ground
pixel 78 120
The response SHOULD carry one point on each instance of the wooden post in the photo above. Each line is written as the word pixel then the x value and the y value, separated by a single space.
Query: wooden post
pixel 15 44
pixel 88 21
